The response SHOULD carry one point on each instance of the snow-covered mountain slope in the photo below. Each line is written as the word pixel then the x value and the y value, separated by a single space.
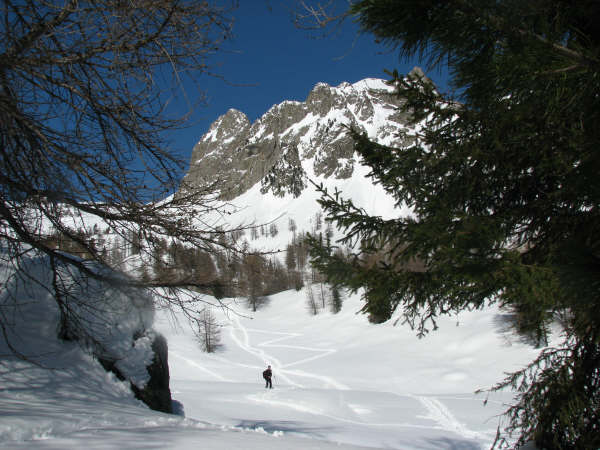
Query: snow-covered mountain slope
pixel 339 382
pixel 256 208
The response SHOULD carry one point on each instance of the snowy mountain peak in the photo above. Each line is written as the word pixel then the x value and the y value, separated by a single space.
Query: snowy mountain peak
pixel 296 140
pixel 226 126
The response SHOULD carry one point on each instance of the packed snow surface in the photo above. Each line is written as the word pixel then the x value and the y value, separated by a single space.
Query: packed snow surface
pixel 339 382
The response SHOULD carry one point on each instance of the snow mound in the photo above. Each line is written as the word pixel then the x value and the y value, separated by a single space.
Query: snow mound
pixel 110 321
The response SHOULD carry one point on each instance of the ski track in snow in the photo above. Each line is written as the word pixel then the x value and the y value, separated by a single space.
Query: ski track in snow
pixel 285 336
pixel 437 411
pixel 193 363
pixel 278 367
pixel 440 414
pixel 244 344
pixel 269 398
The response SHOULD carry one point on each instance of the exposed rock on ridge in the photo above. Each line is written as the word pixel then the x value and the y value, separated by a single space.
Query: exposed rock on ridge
pixel 294 140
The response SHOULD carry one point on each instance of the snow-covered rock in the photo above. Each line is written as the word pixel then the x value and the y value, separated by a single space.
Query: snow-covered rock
pixel 46 310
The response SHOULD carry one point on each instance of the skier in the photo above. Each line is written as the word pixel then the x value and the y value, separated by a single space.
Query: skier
pixel 267 374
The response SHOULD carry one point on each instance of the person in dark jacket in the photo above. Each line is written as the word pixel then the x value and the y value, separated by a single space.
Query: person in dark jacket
pixel 267 374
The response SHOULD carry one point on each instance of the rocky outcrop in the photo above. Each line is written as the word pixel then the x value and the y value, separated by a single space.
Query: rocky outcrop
pixel 156 392
pixel 294 140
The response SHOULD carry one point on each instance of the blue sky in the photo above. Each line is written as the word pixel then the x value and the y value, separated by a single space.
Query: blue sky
pixel 270 60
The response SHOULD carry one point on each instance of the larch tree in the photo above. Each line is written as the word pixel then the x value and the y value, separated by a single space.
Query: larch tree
pixel 85 93
pixel 252 284
pixel 503 181
pixel 208 331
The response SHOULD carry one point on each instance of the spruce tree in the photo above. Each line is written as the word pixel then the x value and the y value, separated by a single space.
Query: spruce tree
pixel 336 300
pixel 503 182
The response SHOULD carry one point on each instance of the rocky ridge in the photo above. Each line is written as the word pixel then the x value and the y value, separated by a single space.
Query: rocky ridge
pixel 296 140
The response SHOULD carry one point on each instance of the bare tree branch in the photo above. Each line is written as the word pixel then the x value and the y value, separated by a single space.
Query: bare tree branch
pixel 85 88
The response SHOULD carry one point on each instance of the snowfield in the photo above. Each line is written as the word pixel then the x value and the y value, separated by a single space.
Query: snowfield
pixel 339 382
pixel 338 378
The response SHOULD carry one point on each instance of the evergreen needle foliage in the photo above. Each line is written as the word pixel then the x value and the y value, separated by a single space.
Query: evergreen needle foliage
pixel 503 182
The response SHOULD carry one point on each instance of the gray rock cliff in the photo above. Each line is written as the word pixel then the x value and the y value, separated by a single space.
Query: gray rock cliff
pixel 295 140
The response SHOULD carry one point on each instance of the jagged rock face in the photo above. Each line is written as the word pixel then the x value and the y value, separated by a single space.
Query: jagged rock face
pixel 156 393
pixel 295 140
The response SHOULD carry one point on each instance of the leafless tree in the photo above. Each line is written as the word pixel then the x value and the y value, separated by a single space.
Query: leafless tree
pixel 85 92
pixel 320 15
pixel 209 331
pixel 311 302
